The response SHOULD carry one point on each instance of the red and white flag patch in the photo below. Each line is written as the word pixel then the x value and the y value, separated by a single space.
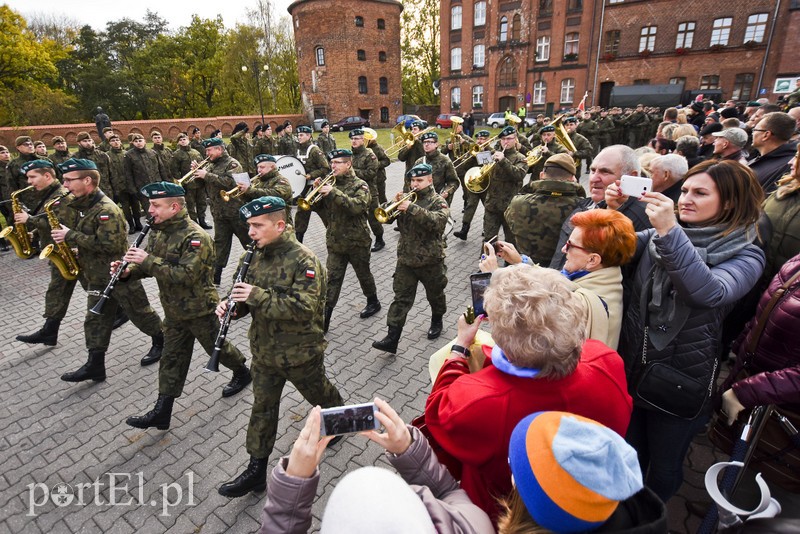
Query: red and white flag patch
pixel 104 217
pixel 195 243
pixel 310 274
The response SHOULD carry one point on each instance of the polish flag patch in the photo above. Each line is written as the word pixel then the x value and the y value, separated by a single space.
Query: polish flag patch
pixel 104 217
pixel 195 243
pixel 310 273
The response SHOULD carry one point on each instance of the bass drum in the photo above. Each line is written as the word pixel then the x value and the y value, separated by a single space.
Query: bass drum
pixel 293 170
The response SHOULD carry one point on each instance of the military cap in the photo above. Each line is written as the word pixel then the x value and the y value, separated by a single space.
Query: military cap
pixel 77 164
pixel 563 161
pixel 155 133
pixel 36 164
pixel 267 126
pixel 571 119
pixel 39 143
pixel 418 124
pixel 261 206
pixel 22 139
pixel 83 135
pixel 264 157
pixel 216 133
pixel 547 128
pixel 182 135
pixel 420 169
pixel 483 133
pixel 163 190
pixel 324 124
pixel 356 132
pixel 3 148
pixel 279 128
pixel 258 128
pixel 340 153
pixel 195 130
pixel 287 123
pixel 136 136
pixel 303 129
pixel 108 129
pixel 213 141
pixel 240 127
pixel 58 139
pixel 429 135
pixel 753 104
pixel 508 130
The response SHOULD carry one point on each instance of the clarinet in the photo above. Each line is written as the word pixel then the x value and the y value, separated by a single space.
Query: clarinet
pixel 213 363
pixel 106 294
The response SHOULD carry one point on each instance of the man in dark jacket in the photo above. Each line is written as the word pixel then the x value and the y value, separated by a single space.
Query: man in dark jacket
pixel 142 167
pixel 771 137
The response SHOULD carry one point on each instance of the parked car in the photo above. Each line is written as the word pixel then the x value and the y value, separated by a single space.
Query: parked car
pixel 444 121
pixel 407 120
pixel 349 123
pixel 496 120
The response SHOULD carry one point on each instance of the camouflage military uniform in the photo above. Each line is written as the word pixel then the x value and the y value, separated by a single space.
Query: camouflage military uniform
pixel 505 182
pixel 180 258
pixel 535 219
pixel 100 159
pixel 17 180
pixel 583 151
pixel 605 127
pixel 555 148
pixel 142 167
pixel 317 166
pixel 271 184
pixel 226 214
pixel 410 155
pixel 591 131
pixel 366 167
pixel 420 256
pixel 240 150
pixel 287 145
pixel 125 193
pixel 60 156
pixel 286 338
pixel 326 142
pixel 445 179
pixel 197 145
pixel 348 238
pixel 264 145
pixel 383 159
pixel 165 158
pixel 636 125
pixel 100 237
pixel 182 160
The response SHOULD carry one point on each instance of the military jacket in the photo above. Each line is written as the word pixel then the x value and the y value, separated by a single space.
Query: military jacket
pixel 181 259
pixel 287 302
pixel 60 156
pixel 100 159
pixel 220 178
pixel 411 154
pixel 506 180
pixel 605 128
pixel 100 234
pixel 555 148
pixel 17 180
pixel 271 184
pixel 583 148
pixel 445 179
pixel 239 149
pixel 165 158
pixel 366 165
pixel 326 143
pixel 313 159
pixel 287 145
pixel 181 162
pixel 462 144
pixel 346 209
pixel 264 145
pixel 116 171
pixel 143 167
pixel 38 219
pixel 197 145
pixel 422 227
pixel 105 146
pixel 589 129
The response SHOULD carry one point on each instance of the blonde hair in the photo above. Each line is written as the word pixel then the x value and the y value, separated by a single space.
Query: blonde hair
pixel 536 319
pixel 684 129
pixel 515 518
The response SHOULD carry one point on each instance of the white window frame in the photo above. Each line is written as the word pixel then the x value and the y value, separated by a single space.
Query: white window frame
pixel 543 48
pixel 479 17
pixel 479 55
pixel 455 58
pixel 647 38
pixel 455 96
pixel 756 27
pixel 540 92
pixel 455 17
pixel 685 38
pixel 477 96
pixel 721 31
pixel 567 90
pixel 572 45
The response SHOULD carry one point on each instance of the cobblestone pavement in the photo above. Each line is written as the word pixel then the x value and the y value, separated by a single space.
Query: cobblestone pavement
pixel 56 433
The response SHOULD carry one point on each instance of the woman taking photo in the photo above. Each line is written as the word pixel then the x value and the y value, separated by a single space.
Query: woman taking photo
pixel 690 271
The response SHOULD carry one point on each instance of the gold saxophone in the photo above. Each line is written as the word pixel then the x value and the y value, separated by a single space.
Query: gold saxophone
pixel 17 233
pixel 61 255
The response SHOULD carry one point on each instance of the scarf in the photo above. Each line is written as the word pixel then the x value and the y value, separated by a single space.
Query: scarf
pixel 501 362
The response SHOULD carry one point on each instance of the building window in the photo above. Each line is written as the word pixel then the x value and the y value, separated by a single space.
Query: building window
pixel 503 29
pixel 479 56
pixel 756 26
pixel 360 21
pixel 571 43
pixel 455 97
pixel 480 13
pixel 516 24
pixel 647 39
pixel 612 42
pixel 362 85
pixel 384 86
pixel 539 92
pixel 477 96
pixel 381 24
pixel 455 59
pixel 641 81
pixel 615 1
pixel 543 48
pixel 320 52
pixel 742 86
pixel 721 31
pixel 382 56
pixel 710 81
pixel 362 55
pixel 685 35
pixel 545 8
pixel 455 18
pixel 678 80
pixel 384 114
pixel 508 73
pixel 575 5
pixel 568 91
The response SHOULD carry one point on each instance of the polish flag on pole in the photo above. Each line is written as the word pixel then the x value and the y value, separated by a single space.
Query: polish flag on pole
pixel 581 106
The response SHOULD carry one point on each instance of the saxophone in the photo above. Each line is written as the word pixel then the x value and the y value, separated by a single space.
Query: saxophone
pixel 61 255
pixel 17 233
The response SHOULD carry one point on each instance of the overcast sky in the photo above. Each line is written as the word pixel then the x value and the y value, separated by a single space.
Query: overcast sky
pixel 97 13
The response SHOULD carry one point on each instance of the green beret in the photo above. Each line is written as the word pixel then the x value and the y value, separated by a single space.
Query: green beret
pixel 570 119
pixel 420 169
pixel 163 190
pixel 22 139
pixel 303 129
pixel 214 141
pixel 260 206
pixel 753 104
pixel 483 133
pixel 547 128
pixel 340 153
pixel 83 135
pixel 418 124
pixel 429 135
pixel 324 124
pixel 76 164
pixel 356 132
pixel 36 164
pixel 508 130
pixel 264 157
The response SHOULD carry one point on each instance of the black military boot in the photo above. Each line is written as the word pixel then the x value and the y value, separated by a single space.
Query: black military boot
pixel 138 224
pixel 4 245
pixel 93 369
pixel 389 343
pixel 372 307
pixel 436 327
pixel 253 478
pixel 46 335
pixel 217 275
pixel 131 225
pixel 201 220
pixel 379 244
pixel 462 234
pixel 155 351
pixel 241 377
pixel 158 417
pixel 328 313
pixel 299 236
pixel 120 318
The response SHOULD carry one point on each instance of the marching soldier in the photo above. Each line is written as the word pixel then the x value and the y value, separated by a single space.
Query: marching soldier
pixel 269 182
pixel 348 240
pixel 125 193
pixel 263 143
pixel 316 165
pixel 88 150
pixel 420 257
pixel 325 140
pixel 583 148
pixel 591 131
pixel 506 178
pixel 284 292
pixel 471 200
pixel 182 160
pixel 142 167
pixel 456 146
pixel 5 210
pixel 605 130
pixel 61 153
pixel 100 237
pixel 445 180
pixel 180 255
pixel 164 154
pixel 239 148
pixel 366 167
pixel 384 162
pixel 410 154
pixel 287 145
pixel 40 149
pixel 550 146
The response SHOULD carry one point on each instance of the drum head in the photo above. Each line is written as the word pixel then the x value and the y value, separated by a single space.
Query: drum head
pixel 293 170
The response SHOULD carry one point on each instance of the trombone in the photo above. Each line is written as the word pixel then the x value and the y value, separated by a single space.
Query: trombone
pixel 314 195
pixel 236 192
pixel 189 176
pixel 480 147
pixel 386 213
pixel 407 139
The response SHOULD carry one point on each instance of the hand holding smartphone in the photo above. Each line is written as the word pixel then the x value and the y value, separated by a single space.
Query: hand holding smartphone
pixel 635 186
pixel 349 419
pixel 478 283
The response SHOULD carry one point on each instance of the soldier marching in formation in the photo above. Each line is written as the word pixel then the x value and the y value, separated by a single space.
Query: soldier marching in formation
pixel 316 165
pixel 366 167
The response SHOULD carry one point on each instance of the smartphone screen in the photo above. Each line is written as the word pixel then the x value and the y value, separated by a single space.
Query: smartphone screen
pixel 349 419
pixel 478 284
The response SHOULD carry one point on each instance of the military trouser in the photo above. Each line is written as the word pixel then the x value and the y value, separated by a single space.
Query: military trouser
pixel 224 230
pixel 144 202
pixel 130 206
pixel 268 381
pixel 179 336
pixel 302 218
pixel 492 221
pixel 59 292
pixel 337 267
pixel 434 280
pixel 374 225
pixel 133 299
pixel 380 185
pixel 196 203
pixel 471 201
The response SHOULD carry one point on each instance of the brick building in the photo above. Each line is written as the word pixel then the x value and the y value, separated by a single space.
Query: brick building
pixel 546 54
pixel 349 58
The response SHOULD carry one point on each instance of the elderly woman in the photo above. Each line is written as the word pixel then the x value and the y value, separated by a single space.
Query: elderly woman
pixel 542 361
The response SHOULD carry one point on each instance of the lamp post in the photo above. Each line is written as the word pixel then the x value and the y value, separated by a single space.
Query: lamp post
pixel 256 73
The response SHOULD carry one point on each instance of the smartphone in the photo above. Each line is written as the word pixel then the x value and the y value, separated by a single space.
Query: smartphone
pixel 493 242
pixel 635 186
pixel 349 419
pixel 478 283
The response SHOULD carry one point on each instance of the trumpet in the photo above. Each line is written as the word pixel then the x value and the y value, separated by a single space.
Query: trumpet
pixel 189 176
pixel 314 195
pixel 386 213
pixel 236 192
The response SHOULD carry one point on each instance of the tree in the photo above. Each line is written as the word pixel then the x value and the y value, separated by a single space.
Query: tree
pixel 419 50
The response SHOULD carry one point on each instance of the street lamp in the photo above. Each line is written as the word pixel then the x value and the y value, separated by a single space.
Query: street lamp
pixel 256 73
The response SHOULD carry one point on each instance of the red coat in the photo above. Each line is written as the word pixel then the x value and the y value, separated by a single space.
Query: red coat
pixel 471 416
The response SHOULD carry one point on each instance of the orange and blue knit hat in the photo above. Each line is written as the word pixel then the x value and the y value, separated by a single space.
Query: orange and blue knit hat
pixel 571 471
